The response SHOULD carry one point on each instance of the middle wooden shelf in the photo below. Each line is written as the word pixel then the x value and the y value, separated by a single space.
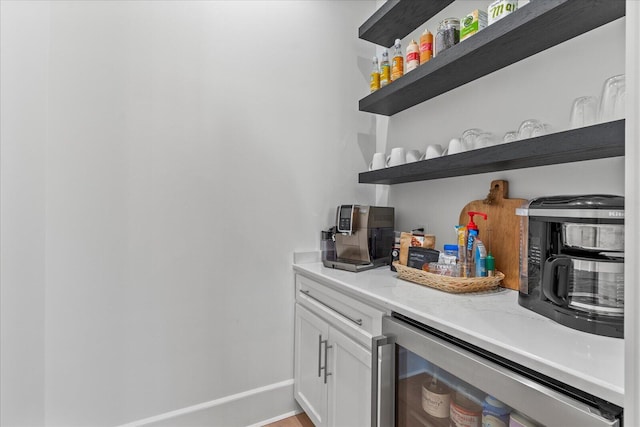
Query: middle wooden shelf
pixel 587 143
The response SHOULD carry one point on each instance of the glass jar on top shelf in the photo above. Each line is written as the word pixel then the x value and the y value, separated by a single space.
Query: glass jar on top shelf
pixel 447 35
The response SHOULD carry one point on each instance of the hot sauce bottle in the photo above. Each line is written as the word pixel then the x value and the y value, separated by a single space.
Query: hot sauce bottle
pixel 426 46
pixel 413 56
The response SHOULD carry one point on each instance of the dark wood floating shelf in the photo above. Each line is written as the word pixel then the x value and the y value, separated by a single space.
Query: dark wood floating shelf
pixel 588 143
pixel 535 27
pixel 397 18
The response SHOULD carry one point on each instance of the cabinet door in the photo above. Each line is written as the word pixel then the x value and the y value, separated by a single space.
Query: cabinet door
pixel 311 335
pixel 349 382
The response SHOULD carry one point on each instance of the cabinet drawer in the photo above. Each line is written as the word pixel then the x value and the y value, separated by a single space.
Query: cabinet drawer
pixel 353 317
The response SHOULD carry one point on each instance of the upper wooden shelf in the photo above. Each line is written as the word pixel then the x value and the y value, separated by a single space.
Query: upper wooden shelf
pixel 397 18
pixel 588 143
pixel 535 27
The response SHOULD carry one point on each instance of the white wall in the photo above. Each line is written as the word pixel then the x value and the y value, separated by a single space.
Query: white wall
pixel 153 190
pixel 161 161
pixel 23 132
pixel 542 87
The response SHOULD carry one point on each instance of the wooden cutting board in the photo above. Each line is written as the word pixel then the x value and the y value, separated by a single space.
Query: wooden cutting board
pixel 501 231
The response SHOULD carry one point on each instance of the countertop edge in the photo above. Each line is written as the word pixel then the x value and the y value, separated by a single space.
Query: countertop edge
pixel 580 380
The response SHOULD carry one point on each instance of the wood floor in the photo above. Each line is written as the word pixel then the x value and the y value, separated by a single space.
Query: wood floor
pixel 300 420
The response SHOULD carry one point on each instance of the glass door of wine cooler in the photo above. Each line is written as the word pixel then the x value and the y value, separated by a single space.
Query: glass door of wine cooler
pixel 438 381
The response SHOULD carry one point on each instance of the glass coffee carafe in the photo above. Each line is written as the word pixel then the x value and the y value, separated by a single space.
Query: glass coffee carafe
pixel 591 285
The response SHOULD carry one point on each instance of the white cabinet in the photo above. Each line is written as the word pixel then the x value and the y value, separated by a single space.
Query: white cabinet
pixel 332 372
pixel 350 384
pixel 311 333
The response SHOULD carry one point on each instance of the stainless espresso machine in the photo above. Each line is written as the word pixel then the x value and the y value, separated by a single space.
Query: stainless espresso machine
pixel 572 262
pixel 364 237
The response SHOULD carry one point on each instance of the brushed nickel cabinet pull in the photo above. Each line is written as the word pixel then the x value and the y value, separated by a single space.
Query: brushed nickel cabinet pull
pixel 320 355
pixel 326 361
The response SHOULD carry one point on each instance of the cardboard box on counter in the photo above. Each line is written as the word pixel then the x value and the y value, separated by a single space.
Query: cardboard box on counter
pixel 408 240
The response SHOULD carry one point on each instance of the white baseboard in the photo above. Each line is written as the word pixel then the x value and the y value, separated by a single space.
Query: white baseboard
pixel 253 408
pixel 278 418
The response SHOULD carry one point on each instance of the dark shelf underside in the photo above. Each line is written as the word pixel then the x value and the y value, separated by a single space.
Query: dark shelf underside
pixel 588 143
pixel 397 18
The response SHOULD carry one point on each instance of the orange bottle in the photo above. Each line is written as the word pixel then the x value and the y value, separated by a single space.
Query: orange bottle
pixel 375 76
pixel 426 46
pixel 397 67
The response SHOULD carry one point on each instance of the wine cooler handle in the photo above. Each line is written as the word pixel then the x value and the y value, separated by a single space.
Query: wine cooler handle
pixel 376 343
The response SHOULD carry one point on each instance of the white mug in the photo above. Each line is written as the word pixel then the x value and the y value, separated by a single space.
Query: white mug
pixel 432 151
pixel 378 162
pixel 397 157
pixel 413 156
pixel 455 146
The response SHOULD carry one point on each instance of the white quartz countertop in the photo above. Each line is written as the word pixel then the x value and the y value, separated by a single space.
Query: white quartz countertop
pixel 493 321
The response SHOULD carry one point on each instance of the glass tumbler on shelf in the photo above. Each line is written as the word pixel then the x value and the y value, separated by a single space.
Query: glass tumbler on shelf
pixel 613 99
pixel 584 112
pixel 469 138
pixel 530 128
pixel 510 136
pixel 485 139
pixel 544 129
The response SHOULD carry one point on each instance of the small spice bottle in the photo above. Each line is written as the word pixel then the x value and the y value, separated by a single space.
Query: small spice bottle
pixel 448 35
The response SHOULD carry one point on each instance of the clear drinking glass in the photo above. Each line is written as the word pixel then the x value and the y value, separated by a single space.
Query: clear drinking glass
pixel 469 138
pixel 530 128
pixel 510 137
pixel 541 130
pixel 485 139
pixel 613 99
pixel 584 112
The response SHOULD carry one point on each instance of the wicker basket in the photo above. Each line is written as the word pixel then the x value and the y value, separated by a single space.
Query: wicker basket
pixel 447 283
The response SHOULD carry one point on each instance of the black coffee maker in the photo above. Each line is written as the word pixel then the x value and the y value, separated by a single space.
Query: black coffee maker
pixel 572 262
